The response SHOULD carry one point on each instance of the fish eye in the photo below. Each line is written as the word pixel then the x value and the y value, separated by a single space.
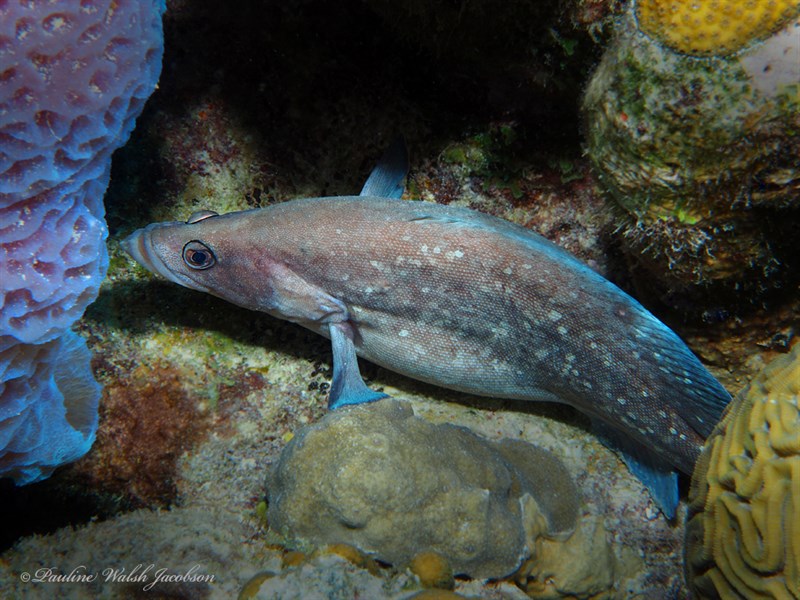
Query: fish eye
pixel 198 256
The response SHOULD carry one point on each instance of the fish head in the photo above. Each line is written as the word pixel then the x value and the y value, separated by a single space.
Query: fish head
pixel 207 253
pixel 233 257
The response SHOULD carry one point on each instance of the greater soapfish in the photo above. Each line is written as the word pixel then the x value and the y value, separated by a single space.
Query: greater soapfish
pixel 459 299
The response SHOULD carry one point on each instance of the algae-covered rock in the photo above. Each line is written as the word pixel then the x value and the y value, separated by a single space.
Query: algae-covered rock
pixel 743 529
pixel 187 553
pixel 323 577
pixel 379 478
pixel 693 132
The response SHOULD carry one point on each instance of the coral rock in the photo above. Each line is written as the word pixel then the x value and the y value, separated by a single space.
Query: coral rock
pixel 73 78
pixel 199 550
pixel 743 532
pixel 323 577
pixel 379 478
pixel 700 155
pixel 584 566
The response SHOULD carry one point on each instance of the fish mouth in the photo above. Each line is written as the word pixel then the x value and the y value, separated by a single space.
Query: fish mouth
pixel 139 245
pixel 134 246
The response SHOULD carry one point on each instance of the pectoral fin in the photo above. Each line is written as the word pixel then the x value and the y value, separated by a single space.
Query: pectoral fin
pixel 386 179
pixel 348 387
pixel 658 477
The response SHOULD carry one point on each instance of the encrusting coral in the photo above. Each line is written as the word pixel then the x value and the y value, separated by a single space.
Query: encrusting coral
pixel 73 78
pixel 712 28
pixel 392 484
pixel 743 530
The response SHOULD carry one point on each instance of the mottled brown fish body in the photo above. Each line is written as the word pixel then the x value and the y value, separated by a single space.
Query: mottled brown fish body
pixel 458 299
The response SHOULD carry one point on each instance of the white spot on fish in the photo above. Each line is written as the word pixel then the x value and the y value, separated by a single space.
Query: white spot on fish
pixel 554 315
pixel 622 401
pixel 403 333
pixel 673 431
pixel 508 270
pixel 425 290
pixel 424 248
pixel 562 330
pixel 437 250
pixel 527 266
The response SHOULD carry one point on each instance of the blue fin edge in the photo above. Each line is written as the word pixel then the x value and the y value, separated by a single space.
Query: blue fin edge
pixel 347 387
pixel 386 179
pixel 660 479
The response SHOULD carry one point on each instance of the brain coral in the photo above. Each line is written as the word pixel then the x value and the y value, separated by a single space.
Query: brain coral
pixel 74 75
pixel 376 477
pixel 743 532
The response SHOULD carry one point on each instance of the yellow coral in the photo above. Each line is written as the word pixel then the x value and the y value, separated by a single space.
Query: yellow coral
pixel 433 570
pixel 712 27
pixel 352 554
pixel 743 533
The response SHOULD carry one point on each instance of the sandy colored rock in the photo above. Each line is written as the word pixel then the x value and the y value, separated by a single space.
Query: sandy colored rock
pixel 379 478
pixel 584 566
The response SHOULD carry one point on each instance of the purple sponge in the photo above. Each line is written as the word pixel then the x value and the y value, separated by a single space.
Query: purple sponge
pixel 74 75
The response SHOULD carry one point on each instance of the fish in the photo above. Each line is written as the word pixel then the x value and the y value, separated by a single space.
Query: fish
pixel 459 299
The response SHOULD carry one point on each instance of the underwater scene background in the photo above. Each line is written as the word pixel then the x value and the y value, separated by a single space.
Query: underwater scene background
pixel 159 442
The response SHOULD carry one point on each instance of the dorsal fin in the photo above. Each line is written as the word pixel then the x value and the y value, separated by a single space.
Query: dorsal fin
pixel 386 179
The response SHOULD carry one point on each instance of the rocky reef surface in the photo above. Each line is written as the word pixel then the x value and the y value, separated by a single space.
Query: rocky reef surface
pixel 261 102
pixel 377 477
